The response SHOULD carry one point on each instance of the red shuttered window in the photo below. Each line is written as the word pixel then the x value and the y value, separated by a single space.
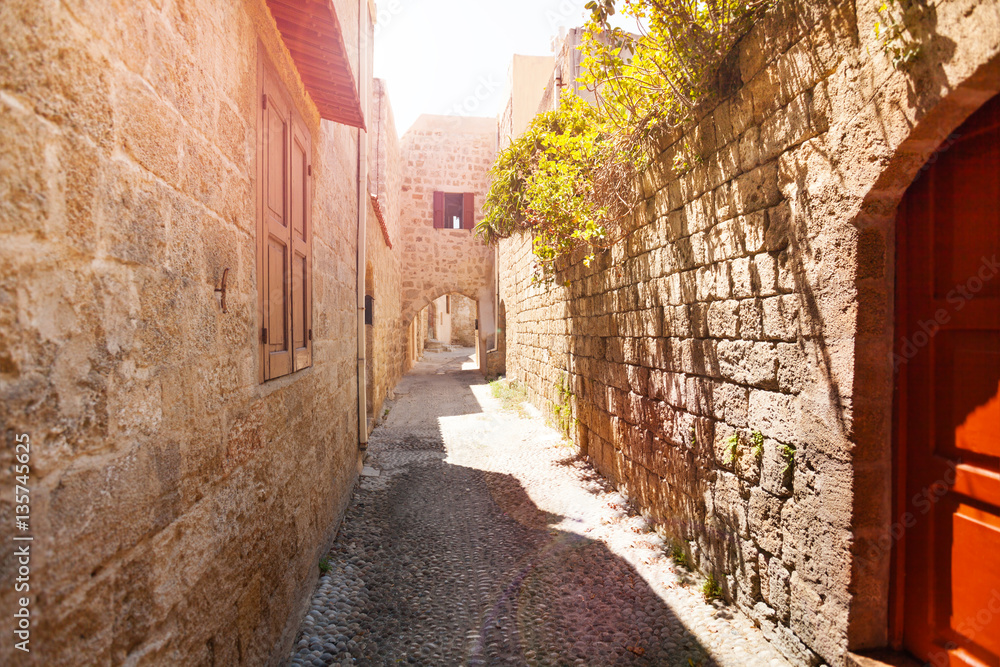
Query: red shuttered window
pixel 454 210
pixel 284 232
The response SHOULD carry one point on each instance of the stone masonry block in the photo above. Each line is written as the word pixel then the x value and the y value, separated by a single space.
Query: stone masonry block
pixel 778 588
pixel 724 319
pixel 781 317
pixel 754 228
pixel 793 367
pixel 731 404
pixel 776 470
pixel 775 415
pixel 765 520
pixel 724 241
pixel 748 363
pixel 749 149
pixel 751 319
pixel 764 274
pixel 730 503
pixel 757 189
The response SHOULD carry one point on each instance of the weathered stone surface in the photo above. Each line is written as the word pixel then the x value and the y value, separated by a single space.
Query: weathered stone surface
pixel 764 519
pixel 769 250
pixel 448 154
pixel 179 506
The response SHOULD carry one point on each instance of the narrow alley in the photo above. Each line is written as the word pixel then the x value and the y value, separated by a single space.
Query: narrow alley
pixel 539 332
pixel 479 537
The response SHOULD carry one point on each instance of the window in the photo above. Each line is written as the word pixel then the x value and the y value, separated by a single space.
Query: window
pixel 454 210
pixel 284 232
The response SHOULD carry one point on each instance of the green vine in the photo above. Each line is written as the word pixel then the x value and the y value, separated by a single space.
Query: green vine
pixel 655 75
pixel 552 181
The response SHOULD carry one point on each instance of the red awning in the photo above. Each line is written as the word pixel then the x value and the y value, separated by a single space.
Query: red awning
pixel 312 34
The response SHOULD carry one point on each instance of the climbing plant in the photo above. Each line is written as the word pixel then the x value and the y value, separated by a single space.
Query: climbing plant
pixel 656 74
pixel 571 178
pixel 549 181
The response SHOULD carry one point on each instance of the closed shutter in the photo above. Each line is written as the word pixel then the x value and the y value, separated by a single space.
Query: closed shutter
pixel 438 210
pixel 301 245
pixel 276 260
pixel 284 238
pixel 468 210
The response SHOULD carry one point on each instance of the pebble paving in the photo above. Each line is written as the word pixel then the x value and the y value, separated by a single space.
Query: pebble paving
pixel 478 537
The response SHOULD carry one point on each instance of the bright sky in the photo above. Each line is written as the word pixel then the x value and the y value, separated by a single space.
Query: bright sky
pixel 452 56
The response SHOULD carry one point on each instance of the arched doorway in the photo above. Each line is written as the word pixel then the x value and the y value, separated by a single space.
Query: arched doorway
pixel 947 402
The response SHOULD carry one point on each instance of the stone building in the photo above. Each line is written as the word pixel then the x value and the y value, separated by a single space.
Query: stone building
pixel 445 163
pixel 730 360
pixel 386 355
pixel 190 225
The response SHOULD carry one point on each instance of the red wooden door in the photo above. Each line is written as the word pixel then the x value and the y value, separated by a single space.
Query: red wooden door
pixel 948 401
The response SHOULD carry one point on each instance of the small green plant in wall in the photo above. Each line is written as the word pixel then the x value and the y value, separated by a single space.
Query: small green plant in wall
pixel 711 589
pixel 678 556
pixel 325 565
pixel 733 447
pixel 733 444
pixel 757 443
pixel 788 453
pixel 562 409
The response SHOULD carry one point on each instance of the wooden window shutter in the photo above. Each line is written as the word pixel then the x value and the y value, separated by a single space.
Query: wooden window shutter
pixel 284 232
pixel 468 210
pixel 274 239
pixel 300 198
pixel 438 210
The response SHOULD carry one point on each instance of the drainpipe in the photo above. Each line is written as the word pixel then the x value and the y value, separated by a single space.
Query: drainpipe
pixel 362 226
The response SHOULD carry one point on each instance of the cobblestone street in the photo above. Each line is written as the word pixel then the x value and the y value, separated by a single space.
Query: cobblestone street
pixel 484 540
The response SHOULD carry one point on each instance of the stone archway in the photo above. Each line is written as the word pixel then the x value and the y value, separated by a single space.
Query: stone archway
pixel 879 522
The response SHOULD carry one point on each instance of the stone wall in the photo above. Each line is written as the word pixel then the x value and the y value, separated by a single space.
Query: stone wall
pixel 386 337
pixel 450 154
pixel 753 293
pixel 463 321
pixel 178 506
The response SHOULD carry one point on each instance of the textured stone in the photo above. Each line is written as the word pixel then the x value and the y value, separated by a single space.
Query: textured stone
pixel 159 461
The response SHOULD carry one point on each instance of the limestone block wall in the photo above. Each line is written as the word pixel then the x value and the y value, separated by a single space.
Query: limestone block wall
pixel 417 334
pixel 450 154
pixel 753 292
pixel 178 506
pixel 386 337
pixel 463 321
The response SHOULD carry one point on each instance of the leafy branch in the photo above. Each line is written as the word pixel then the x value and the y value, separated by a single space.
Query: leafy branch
pixel 571 180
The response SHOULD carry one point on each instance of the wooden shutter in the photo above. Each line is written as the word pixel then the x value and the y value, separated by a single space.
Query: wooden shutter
pixel 468 210
pixel 275 274
pixel 301 244
pixel 284 232
pixel 438 210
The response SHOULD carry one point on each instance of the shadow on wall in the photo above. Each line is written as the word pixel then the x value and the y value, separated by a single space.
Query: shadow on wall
pixel 665 373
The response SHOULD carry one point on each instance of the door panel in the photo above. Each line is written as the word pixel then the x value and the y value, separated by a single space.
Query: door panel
pixel 948 400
